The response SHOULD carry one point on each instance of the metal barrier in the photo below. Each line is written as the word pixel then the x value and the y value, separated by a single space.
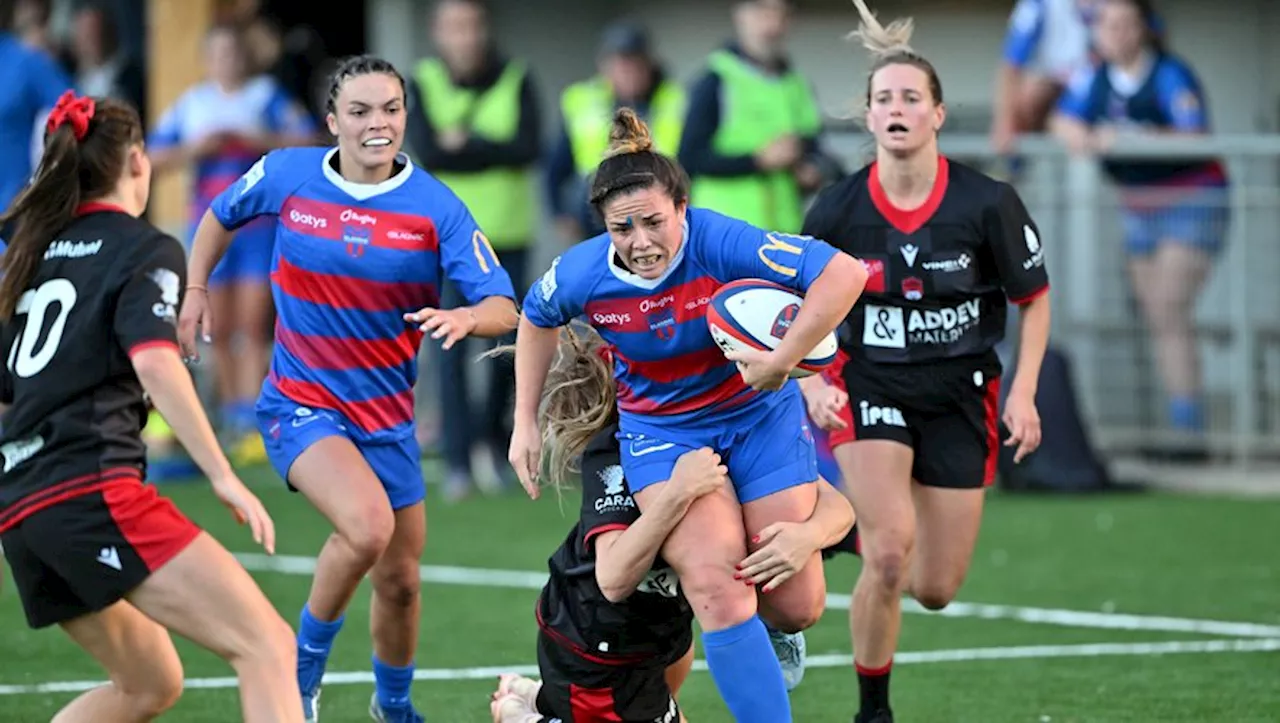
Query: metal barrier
pixel 1096 321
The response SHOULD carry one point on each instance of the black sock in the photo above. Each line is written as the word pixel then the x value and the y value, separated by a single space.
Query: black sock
pixel 873 684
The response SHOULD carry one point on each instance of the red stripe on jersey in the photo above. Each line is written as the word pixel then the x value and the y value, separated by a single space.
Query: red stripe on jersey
pixel 89 207
pixel 596 531
pixel 338 222
pixel 1027 299
pixel 152 344
pixel 349 292
pixel 629 401
pixel 151 524
pixel 370 415
pixel 909 220
pixel 63 491
pixel 676 368
pixel 332 352
pixel 685 302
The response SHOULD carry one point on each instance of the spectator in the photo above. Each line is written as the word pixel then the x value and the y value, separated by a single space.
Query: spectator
pixel 627 74
pixel 750 140
pixel 33 83
pixel 1046 43
pixel 1175 212
pixel 220 127
pixel 100 67
pixel 31 23
pixel 474 124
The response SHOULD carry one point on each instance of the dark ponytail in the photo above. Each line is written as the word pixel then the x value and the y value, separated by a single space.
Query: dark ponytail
pixel 72 170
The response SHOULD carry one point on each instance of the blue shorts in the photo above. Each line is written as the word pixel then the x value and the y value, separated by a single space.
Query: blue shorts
pixel 289 429
pixel 1197 219
pixel 248 258
pixel 767 446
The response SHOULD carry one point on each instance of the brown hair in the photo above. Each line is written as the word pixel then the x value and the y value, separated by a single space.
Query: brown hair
pixel 631 164
pixel 71 171
pixel 578 398
pixel 892 46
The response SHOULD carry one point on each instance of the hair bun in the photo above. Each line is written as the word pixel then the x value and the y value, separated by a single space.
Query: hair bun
pixel 629 134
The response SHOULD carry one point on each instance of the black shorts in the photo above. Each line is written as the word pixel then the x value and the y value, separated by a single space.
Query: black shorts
pixel 577 690
pixel 947 412
pixel 83 554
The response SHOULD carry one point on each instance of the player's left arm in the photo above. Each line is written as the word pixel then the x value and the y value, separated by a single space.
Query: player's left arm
pixel 830 280
pixel 1019 256
pixel 471 264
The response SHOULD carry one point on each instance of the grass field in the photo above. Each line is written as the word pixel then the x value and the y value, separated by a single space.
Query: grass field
pixel 1108 608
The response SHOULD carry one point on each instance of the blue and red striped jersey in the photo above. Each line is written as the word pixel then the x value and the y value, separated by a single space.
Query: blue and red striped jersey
pixel 666 366
pixel 350 259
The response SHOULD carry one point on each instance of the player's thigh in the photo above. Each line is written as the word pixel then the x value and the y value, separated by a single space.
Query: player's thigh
pixel 311 450
pixel 135 650
pixel 1180 269
pixel 797 603
pixel 775 457
pixel 205 595
pixel 253 307
pixel 1034 98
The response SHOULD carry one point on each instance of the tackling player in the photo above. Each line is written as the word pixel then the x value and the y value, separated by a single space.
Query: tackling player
pixel 948 249
pixel 645 285
pixel 615 638
pixel 364 240
pixel 89 300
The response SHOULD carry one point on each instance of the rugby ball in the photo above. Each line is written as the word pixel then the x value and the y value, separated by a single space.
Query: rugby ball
pixel 756 314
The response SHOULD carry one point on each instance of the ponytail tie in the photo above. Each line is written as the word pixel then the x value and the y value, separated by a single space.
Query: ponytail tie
pixel 76 110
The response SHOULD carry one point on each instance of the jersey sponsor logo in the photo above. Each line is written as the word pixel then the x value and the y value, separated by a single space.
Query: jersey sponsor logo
pixel 890 327
pixel 909 253
pixel 168 282
pixel 398 235
pixel 251 177
pixel 872 415
pixel 615 497
pixel 948 266
pixel 663 582
pixel 671 716
pixel 610 319
pixel 875 275
pixel 20 450
pixel 349 215
pixel 779 245
pixel 63 249
pixel 1033 247
pixel 547 284
pixel 307 219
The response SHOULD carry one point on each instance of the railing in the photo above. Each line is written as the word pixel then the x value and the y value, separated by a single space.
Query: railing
pixel 1096 322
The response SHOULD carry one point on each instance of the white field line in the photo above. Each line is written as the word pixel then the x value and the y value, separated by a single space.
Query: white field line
pixel 483 577
pixel 1093 650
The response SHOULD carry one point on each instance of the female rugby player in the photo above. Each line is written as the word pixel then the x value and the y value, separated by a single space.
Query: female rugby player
pixel 363 241
pixel 615 635
pixel 644 285
pixel 88 301
pixel 947 248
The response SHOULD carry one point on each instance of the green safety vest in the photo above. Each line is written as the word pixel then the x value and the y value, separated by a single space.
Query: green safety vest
pixel 756 109
pixel 588 106
pixel 502 200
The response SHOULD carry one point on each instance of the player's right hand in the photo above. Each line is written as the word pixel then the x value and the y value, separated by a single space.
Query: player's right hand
pixel 699 473
pixel 525 456
pixel 247 509
pixel 194 318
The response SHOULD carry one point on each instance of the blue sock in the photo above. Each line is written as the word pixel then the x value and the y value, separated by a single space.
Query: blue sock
pixel 392 684
pixel 1186 414
pixel 746 672
pixel 316 636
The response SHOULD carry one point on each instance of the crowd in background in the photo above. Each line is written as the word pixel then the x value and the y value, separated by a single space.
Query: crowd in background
pixel 747 128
